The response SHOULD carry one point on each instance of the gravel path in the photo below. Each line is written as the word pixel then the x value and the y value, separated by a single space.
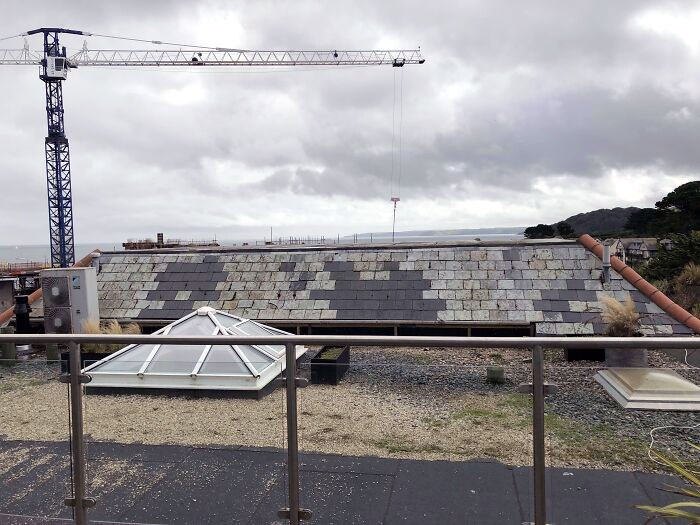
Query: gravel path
pixel 431 403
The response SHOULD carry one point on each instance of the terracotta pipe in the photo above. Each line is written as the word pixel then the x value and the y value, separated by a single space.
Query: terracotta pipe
pixel 38 293
pixel 649 290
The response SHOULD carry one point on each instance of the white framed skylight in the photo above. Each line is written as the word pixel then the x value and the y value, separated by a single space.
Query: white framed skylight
pixel 198 366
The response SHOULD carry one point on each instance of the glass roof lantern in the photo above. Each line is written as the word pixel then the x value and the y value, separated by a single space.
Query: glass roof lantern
pixel 196 366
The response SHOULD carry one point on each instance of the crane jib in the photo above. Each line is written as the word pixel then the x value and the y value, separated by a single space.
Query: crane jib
pixel 177 57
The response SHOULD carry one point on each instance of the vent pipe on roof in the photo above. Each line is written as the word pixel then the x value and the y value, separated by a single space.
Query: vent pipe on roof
pixel 21 311
pixel 605 275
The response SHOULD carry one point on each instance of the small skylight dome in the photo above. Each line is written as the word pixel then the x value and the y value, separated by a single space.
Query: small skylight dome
pixel 200 366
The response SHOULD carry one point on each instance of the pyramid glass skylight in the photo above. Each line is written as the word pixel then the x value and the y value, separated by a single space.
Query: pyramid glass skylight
pixel 198 366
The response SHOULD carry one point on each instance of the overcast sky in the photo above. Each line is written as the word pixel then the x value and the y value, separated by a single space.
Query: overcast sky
pixel 523 112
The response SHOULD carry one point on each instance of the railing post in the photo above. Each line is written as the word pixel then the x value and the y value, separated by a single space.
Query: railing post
pixel 79 499
pixel 538 434
pixel 292 437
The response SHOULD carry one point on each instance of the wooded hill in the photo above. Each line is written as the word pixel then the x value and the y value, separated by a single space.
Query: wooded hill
pixel 676 213
pixel 601 221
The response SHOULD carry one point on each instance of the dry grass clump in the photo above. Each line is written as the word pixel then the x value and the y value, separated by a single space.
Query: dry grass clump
pixel 665 286
pixel 109 328
pixel 690 276
pixel 622 318
pixel 685 288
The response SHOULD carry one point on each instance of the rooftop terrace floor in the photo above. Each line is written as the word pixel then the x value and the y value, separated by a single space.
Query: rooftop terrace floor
pixel 180 484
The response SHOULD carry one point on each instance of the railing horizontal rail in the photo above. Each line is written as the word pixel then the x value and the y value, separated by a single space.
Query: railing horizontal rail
pixel 472 342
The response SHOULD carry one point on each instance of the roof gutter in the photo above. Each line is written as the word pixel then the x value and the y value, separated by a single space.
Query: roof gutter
pixel 649 290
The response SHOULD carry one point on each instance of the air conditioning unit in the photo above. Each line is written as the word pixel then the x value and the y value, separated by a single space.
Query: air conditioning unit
pixel 70 299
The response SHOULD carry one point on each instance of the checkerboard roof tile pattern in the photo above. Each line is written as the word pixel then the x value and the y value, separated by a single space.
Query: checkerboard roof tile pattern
pixel 557 286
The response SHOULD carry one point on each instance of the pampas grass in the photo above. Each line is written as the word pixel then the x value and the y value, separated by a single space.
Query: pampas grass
pixel 622 318
pixel 690 276
pixel 685 288
pixel 110 328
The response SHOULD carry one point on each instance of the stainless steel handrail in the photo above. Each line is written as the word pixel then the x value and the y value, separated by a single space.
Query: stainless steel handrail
pixel 690 342
pixel 80 502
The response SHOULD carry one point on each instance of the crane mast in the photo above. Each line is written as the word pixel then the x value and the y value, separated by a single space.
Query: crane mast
pixel 57 154
pixel 54 65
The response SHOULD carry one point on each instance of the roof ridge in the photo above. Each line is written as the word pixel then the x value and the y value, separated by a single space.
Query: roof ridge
pixel 384 246
pixel 655 295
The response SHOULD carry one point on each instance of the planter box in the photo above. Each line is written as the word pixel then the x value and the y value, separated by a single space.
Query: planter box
pixel 330 364
pixel 585 354
pixel 626 357
pixel 86 359
pixel 8 351
pixel 495 375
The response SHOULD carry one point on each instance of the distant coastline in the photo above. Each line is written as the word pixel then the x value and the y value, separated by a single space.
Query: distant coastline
pixel 39 253
pixel 22 253
pixel 516 231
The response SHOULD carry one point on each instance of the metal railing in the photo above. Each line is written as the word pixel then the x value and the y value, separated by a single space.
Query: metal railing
pixel 80 502
pixel 22 267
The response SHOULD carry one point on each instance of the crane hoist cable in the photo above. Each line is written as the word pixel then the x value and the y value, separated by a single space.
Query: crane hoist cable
pixel 160 42
pixel 396 146
pixel 13 36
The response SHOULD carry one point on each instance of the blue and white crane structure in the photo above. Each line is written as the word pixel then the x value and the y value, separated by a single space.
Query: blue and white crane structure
pixel 54 64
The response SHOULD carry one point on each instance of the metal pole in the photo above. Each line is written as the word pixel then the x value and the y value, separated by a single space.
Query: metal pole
pixel 538 434
pixel 77 438
pixel 292 441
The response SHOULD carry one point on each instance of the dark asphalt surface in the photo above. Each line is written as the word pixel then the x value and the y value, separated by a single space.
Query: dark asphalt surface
pixel 160 484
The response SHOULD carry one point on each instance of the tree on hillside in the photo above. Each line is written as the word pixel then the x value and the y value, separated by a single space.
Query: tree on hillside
pixel 640 220
pixel 541 231
pixel 669 262
pixel 677 212
pixel 684 204
pixel 685 198
pixel 565 230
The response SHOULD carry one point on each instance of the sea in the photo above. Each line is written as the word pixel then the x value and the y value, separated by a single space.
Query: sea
pixel 383 238
pixel 23 253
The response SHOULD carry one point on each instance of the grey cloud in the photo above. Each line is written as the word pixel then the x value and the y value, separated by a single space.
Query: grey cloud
pixel 580 132
pixel 543 89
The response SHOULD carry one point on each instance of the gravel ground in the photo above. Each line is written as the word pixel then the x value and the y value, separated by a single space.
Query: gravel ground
pixel 579 396
pixel 598 408
pixel 430 403
pixel 580 413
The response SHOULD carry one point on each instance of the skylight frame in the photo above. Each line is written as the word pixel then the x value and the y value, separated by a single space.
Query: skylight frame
pixel 195 379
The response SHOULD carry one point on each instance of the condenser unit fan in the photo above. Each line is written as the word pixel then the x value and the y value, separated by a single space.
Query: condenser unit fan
pixel 56 292
pixel 57 320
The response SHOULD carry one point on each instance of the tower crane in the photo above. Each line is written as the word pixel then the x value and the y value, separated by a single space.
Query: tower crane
pixel 54 64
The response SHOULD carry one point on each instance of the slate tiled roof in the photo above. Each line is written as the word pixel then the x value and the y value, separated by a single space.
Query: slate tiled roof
pixel 555 285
